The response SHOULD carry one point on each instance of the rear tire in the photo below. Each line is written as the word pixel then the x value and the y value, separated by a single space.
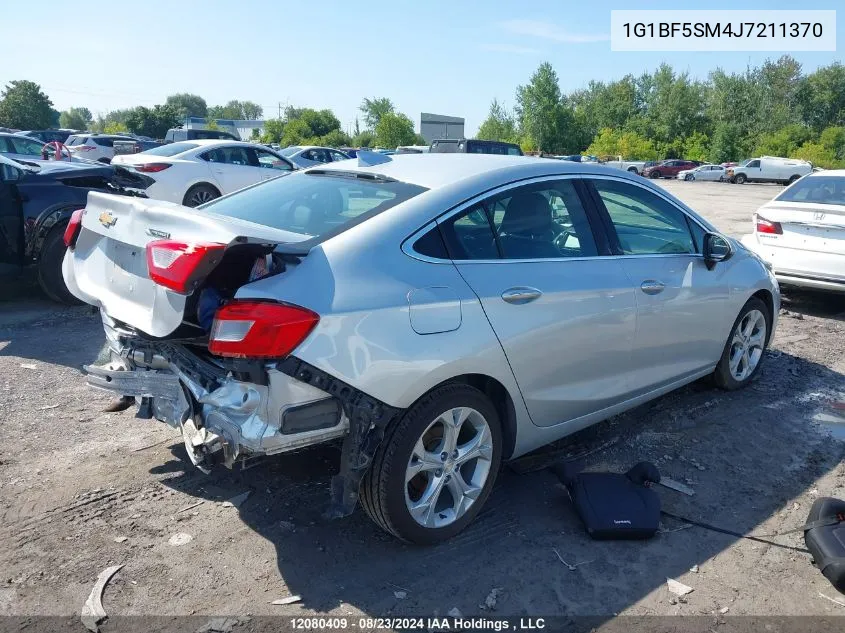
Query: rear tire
pixel 633 170
pixel 410 466
pixel 200 194
pixel 740 179
pixel 50 276
pixel 745 348
pixel 792 179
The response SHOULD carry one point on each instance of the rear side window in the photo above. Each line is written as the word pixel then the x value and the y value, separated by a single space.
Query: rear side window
pixel 77 140
pixel 540 221
pixel 103 141
pixel 316 204
pixel 431 245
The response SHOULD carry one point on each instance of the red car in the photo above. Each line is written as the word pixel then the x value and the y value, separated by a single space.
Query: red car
pixel 669 168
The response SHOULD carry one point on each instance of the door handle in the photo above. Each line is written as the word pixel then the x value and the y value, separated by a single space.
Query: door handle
pixel 520 295
pixel 652 287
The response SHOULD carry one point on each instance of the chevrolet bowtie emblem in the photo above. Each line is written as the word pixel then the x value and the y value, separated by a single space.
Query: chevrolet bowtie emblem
pixel 107 219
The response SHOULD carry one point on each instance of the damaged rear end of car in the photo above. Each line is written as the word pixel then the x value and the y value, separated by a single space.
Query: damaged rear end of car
pixel 197 351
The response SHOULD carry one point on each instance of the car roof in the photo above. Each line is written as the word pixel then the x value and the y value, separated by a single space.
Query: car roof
pixel 838 173
pixel 434 170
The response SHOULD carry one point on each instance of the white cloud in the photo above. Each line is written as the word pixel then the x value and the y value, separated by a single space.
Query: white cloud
pixel 507 48
pixel 549 31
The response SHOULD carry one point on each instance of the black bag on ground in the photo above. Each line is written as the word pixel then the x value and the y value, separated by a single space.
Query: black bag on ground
pixel 826 540
pixel 615 505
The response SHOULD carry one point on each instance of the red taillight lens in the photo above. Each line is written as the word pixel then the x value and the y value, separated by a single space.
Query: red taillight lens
pixel 767 226
pixel 151 168
pixel 256 329
pixel 73 227
pixel 179 266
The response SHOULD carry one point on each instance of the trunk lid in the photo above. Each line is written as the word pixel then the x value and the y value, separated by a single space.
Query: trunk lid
pixel 108 266
pixel 818 228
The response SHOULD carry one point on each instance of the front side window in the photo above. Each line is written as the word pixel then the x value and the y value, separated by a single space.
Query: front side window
pixel 645 223
pixel 539 221
pixel 753 163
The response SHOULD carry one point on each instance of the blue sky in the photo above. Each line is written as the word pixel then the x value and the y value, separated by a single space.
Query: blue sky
pixel 434 56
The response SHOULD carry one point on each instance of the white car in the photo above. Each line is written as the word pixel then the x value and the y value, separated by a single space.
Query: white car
pixel 194 172
pixel 703 172
pixel 801 233
pixel 310 155
pixel 96 147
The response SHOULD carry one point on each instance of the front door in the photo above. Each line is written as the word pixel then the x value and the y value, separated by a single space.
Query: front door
pixel 681 306
pixel 565 316
pixel 11 213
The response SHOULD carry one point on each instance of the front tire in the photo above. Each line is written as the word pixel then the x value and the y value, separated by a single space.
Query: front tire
pixel 743 354
pixel 435 467
pixel 50 276
pixel 740 179
pixel 655 174
pixel 689 177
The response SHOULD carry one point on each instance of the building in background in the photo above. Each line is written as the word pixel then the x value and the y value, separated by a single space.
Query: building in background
pixel 241 129
pixel 437 126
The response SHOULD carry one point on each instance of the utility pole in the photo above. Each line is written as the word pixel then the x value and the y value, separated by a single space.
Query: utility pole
pixel 280 110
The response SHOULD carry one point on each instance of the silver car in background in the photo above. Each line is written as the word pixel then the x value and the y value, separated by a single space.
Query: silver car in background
pixel 437 313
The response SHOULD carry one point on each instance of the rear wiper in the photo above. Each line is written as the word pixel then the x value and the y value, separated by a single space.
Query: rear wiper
pixel 359 175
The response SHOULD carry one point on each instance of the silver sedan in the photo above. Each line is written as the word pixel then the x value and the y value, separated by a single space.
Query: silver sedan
pixel 438 314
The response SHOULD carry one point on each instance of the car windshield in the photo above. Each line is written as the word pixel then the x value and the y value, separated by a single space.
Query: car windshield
pixel 816 190
pixel 317 204
pixel 290 151
pixel 170 149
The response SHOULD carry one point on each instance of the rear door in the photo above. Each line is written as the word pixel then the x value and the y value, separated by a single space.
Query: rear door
pixel 681 306
pixel 11 214
pixel 233 167
pixel 564 315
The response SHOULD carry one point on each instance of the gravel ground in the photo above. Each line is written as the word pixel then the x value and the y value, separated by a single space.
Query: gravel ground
pixel 82 490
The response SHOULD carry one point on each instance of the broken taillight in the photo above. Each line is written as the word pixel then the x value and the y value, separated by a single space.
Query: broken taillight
pixel 767 226
pixel 179 266
pixel 73 227
pixel 259 329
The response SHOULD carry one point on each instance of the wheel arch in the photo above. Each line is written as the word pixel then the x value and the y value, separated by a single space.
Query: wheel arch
pixel 768 299
pixel 499 397
pixel 200 183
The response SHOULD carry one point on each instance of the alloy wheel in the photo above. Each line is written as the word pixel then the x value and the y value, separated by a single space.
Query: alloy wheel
pixel 747 344
pixel 201 196
pixel 448 467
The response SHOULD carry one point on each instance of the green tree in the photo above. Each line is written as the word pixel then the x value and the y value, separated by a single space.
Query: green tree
pixel 628 145
pixel 725 144
pixel 834 139
pixel 543 117
pixel 115 127
pixel 818 154
pixel 394 129
pixel 498 126
pixel 335 138
pixel 364 138
pixel 297 132
pixel 320 122
pixel 783 142
pixel 153 122
pixel 237 110
pixel 696 147
pixel 274 129
pixel 187 104
pixel 374 109
pixel 23 106
pixel 76 119
pixel 821 96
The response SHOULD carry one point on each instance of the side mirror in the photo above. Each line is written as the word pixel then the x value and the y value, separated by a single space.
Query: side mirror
pixel 9 173
pixel 716 249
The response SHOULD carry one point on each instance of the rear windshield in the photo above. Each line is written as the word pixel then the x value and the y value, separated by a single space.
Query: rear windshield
pixel 171 149
pixel 816 190
pixel 314 204
pixel 290 151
